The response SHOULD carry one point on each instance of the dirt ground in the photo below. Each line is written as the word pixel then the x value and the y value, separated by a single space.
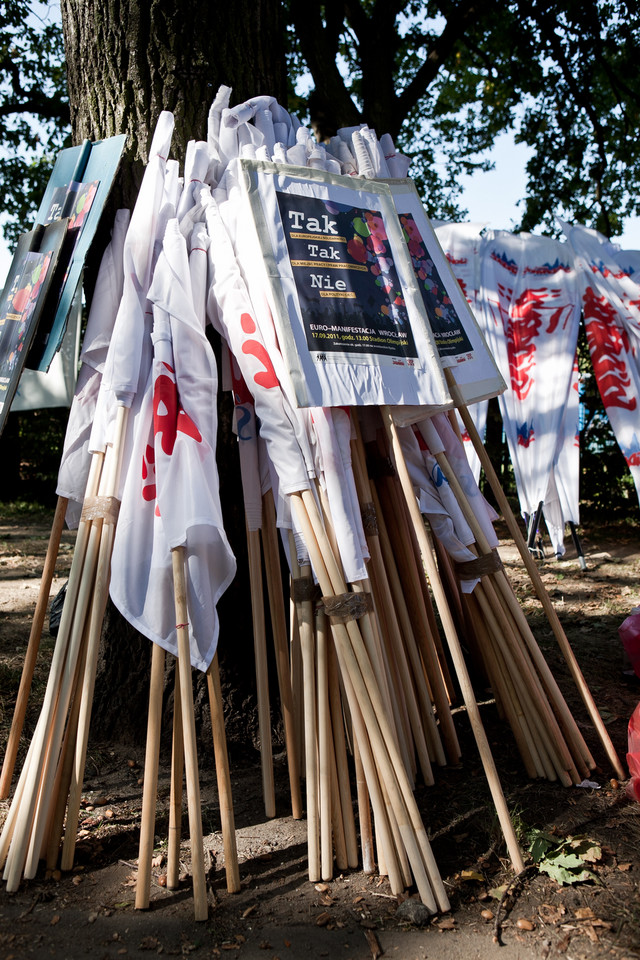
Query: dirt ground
pixel 278 913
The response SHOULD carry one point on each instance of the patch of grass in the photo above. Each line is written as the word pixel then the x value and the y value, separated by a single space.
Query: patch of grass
pixel 17 509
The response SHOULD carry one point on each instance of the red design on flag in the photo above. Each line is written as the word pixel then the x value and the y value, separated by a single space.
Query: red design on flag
pixel 607 342
pixel 149 474
pixel 525 321
pixel 168 416
pixel 266 378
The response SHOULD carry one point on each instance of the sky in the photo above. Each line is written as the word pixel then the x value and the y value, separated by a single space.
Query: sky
pixel 492 197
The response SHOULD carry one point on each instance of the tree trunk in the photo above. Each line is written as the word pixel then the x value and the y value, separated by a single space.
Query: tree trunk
pixel 127 60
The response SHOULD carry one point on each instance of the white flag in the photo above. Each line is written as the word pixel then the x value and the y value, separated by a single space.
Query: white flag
pixel 171 495
pixel 531 310
pixel 611 301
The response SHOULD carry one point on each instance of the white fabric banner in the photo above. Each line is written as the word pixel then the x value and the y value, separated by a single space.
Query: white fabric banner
pixel 231 311
pixel 461 245
pixel 531 310
pixel 332 429
pixel 611 299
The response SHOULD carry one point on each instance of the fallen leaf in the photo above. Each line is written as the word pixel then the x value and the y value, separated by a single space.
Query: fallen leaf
pixel 471 875
pixel 591 934
pixel 551 914
pixel 157 861
pixel 448 923
pixel 497 892
pixel 624 867
pixel 322 887
pixel 584 913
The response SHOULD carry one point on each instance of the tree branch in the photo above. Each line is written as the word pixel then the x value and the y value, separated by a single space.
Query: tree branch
pixel 47 108
pixel 466 13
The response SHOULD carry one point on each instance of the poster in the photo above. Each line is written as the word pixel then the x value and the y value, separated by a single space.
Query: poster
pixel 24 297
pixel 78 190
pixel 458 338
pixel 330 257
pixel 347 283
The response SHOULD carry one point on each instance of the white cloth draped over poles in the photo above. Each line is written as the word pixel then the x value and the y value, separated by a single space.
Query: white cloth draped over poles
pixel 610 300
pixel 75 461
pixel 608 291
pixel 331 430
pixel 171 496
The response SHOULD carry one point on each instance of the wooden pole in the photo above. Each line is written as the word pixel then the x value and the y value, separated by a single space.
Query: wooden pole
pixel 98 607
pixel 262 675
pixel 97 558
pixel 175 797
pixel 223 778
pixel 535 577
pixel 33 814
pixel 150 787
pixel 518 623
pixel 325 750
pixel 307 645
pixel 11 750
pixel 354 661
pixel 279 627
pixel 201 909
pixel 342 768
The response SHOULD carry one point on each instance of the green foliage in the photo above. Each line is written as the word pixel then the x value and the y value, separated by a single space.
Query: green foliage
pixel 564 860
pixel 34 109
pixel 447 78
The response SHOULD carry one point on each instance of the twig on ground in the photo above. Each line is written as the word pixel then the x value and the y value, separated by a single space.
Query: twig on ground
pixel 511 888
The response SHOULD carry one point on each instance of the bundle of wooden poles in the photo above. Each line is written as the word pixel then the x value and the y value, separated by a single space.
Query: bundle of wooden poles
pixel 374 673
pixel 42 822
pixel 366 683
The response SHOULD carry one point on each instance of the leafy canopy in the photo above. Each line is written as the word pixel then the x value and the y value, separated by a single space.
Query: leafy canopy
pixel 444 78
pixel 34 110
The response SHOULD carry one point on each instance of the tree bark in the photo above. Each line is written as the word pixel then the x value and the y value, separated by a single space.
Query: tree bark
pixel 127 60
